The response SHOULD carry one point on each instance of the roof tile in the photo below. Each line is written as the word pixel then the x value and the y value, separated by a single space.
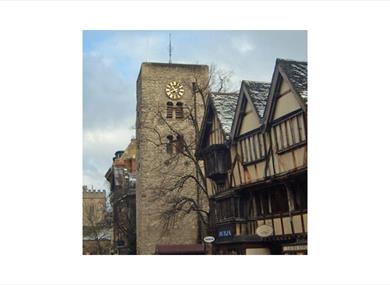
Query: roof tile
pixel 296 72
pixel 258 92
pixel 225 105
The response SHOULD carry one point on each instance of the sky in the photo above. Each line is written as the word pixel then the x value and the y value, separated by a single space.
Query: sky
pixel 111 63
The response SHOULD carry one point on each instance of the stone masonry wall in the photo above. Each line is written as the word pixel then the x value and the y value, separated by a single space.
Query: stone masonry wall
pixel 94 206
pixel 154 173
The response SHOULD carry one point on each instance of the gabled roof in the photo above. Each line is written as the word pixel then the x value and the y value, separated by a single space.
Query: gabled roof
pixel 225 106
pixel 296 72
pixel 256 93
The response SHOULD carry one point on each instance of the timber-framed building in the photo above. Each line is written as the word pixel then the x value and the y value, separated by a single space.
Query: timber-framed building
pixel 254 147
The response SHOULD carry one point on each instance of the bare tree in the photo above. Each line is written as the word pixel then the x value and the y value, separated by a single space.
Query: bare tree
pixel 220 79
pixel 124 219
pixel 172 192
pixel 96 228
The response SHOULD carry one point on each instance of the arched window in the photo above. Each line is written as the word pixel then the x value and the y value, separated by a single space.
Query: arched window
pixel 179 110
pixel 179 144
pixel 170 144
pixel 169 110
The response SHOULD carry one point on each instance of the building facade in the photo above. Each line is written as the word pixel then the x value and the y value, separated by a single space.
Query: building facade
pixel 96 233
pixel 122 178
pixel 258 172
pixel 167 105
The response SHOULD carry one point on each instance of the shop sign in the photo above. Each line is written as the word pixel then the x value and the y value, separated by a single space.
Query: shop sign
pixel 225 233
pixel 264 230
pixel 209 239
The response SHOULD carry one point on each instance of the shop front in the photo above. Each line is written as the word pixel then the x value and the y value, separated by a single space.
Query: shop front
pixel 230 242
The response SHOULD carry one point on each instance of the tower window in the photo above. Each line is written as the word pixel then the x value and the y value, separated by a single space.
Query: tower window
pixel 179 110
pixel 179 144
pixel 169 110
pixel 170 144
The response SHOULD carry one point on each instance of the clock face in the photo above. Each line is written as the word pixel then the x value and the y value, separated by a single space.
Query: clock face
pixel 174 90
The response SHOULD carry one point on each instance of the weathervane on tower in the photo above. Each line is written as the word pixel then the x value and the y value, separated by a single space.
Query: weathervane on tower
pixel 170 49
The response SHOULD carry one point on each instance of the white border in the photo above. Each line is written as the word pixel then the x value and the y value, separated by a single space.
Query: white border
pixel 40 73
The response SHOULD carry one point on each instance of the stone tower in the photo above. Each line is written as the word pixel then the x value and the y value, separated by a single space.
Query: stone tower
pixel 94 206
pixel 164 98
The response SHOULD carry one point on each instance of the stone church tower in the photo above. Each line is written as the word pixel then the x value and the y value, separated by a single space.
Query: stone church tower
pixel 164 99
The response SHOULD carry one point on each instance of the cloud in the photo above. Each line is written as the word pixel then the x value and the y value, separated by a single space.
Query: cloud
pixel 107 96
pixel 141 46
pixel 131 46
pixel 103 136
pixel 111 64
pixel 99 146
pixel 243 45
pixel 108 114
